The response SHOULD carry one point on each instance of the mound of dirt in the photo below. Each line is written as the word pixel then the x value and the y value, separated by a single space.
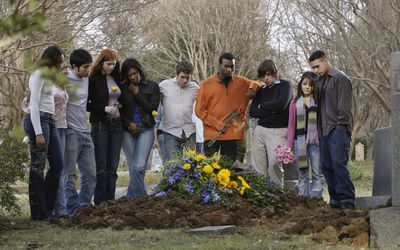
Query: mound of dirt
pixel 302 216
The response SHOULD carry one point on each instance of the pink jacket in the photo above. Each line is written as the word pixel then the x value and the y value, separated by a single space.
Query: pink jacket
pixel 291 124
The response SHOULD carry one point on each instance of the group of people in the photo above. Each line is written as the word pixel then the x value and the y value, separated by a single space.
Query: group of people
pixel 132 113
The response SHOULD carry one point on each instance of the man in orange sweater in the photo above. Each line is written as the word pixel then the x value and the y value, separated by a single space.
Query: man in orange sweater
pixel 219 96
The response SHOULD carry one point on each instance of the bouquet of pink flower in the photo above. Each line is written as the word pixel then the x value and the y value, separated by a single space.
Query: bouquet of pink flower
pixel 284 154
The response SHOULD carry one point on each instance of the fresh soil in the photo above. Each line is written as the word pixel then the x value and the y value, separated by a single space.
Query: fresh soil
pixel 301 216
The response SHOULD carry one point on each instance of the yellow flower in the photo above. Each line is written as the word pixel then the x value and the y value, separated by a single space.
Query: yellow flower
pixel 199 158
pixel 225 172
pixel 190 153
pixel 154 113
pixel 216 165
pixel 232 184
pixel 186 166
pixel 244 183
pixel 223 177
pixel 241 192
pixel 208 169
pixel 114 88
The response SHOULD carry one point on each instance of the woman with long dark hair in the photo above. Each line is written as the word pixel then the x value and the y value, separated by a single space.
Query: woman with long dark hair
pixel 303 136
pixel 44 140
pixel 141 98
pixel 103 105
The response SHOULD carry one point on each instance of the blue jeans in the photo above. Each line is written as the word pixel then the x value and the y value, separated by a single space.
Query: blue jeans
pixel 173 145
pixel 43 189
pixel 79 150
pixel 334 157
pixel 137 151
pixel 107 139
pixel 160 140
pixel 316 189
pixel 60 207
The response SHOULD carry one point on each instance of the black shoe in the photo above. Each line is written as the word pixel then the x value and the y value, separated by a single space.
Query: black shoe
pixel 347 206
pixel 334 206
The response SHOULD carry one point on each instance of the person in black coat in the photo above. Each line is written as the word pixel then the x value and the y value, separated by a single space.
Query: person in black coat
pixel 139 105
pixel 103 104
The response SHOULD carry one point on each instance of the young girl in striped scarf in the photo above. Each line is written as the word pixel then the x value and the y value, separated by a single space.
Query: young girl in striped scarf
pixel 303 136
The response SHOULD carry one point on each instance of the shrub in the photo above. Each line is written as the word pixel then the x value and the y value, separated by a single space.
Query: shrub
pixel 13 154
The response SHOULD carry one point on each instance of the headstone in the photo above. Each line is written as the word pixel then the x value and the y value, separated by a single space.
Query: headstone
pixel 395 143
pixel 385 222
pixel 360 152
pixel 291 177
pixel 382 162
pixel 214 229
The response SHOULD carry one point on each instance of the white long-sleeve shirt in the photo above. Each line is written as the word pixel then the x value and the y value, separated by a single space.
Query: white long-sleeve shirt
pixel 177 105
pixel 42 98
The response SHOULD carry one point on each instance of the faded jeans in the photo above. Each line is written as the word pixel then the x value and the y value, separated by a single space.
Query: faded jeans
pixel 174 145
pixel 137 151
pixel 43 188
pixel 60 207
pixel 317 183
pixel 79 150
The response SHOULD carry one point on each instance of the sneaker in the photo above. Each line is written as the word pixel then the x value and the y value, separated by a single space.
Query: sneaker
pixel 347 206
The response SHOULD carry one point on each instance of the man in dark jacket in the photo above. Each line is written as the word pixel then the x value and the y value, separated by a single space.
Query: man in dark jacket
pixel 271 107
pixel 334 129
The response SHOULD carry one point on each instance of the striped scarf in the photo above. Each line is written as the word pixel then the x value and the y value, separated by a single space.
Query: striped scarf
pixel 306 129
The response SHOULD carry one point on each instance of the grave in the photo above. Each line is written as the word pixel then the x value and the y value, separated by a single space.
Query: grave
pixel 382 162
pixel 360 152
pixel 385 222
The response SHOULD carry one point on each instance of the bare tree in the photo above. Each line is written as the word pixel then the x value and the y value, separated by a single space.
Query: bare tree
pixel 359 36
pixel 69 23
pixel 200 30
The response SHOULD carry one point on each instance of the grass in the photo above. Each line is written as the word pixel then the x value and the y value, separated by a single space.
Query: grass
pixel 21 233
pixel 33 235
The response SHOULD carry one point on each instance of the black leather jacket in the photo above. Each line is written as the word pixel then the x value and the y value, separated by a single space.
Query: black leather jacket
pixel 98 97
pixel 148 99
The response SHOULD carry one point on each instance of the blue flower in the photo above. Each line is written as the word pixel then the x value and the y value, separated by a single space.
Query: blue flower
pixel 160 194
pixel 197 173
pixel 215 196
pixel 189 187
pixel 172 180
pixel 205 196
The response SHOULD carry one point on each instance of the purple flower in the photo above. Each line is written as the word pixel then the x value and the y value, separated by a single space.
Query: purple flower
pixel 160 194
pixel 205 196
pixel 189 187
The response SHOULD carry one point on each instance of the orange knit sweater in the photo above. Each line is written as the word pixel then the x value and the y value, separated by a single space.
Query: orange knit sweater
pixel 215 102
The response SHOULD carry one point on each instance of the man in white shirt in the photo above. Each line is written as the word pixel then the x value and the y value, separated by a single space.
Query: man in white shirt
pixel 177 98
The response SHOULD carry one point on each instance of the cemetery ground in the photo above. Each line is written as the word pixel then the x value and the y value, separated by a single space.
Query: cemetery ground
pixel 306 225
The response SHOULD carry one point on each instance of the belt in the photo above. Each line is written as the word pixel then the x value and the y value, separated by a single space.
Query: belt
pixel 112 118
pixel 45 114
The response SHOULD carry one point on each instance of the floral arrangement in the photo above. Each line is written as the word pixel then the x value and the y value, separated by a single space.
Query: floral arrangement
pixel 215 181
pixel 284 154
